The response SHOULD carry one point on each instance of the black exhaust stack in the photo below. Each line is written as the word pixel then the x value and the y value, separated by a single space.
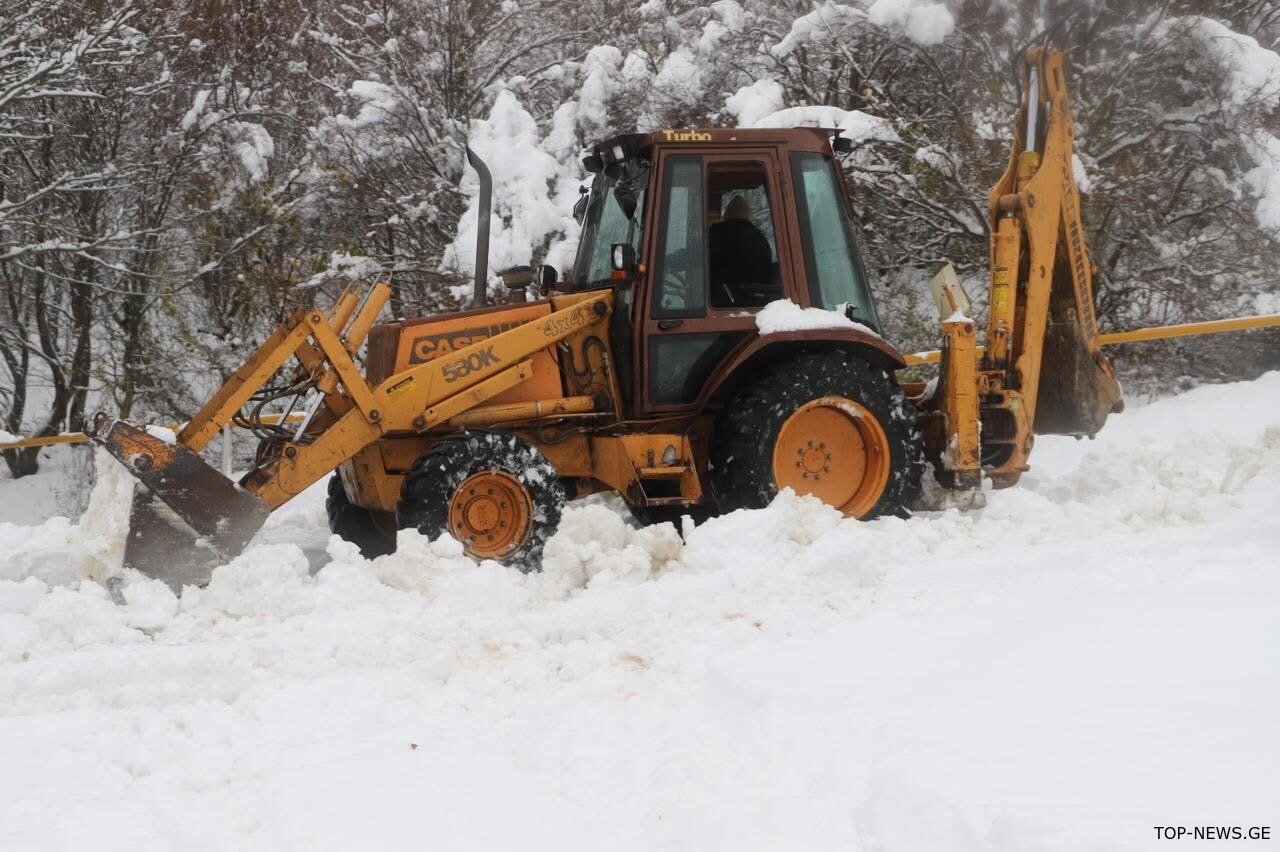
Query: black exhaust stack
pixel 482 229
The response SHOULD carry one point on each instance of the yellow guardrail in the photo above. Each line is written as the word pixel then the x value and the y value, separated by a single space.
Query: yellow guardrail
pixel 80 437
pixel 930 356
pixel 1189 328
pixel 64 438
pixel 1160 332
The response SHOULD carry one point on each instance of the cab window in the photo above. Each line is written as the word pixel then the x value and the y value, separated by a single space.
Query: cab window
pixel 717 242
pixel 742 244
pixel 607 221
pixel 679 284
pixel 831 261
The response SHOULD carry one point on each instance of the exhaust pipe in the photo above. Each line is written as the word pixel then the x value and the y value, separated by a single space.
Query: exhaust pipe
pixel 482 229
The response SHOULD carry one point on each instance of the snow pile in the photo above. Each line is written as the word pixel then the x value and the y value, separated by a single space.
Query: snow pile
pixel 587 116
pixel 97 552
pixel 727 17
pixel 923 22
pixel 250 143
pixel 376 102
pixel 1255 83
pixel 595 545
pixel 784 315
pixel 853 124
pixel 679 78
pixel 164 433
pixel 529 188
pixel 253 147
pixel 42 554
pixel 192 117
pixel 756 102
pixel 825 21
pixel 1255 70
pixel 58 551
pixel 1265 178
pixel 1062 670
pixel 345 267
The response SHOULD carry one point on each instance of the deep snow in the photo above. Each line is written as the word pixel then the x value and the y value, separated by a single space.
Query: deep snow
pixel 1095 653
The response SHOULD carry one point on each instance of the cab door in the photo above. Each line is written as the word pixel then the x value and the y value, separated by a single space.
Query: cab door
pixel 718 254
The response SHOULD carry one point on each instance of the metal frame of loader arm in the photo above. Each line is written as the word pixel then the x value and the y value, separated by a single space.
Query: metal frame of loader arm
pixel 290 339
pixel 413 401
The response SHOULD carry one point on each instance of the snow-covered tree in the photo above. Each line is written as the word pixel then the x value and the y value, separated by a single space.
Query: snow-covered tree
pixel 175 175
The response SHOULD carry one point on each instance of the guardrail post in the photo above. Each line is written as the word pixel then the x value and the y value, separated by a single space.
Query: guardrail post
pixel 226 449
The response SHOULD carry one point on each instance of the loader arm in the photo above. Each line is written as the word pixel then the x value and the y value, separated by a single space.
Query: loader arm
pixel 420 399
pixel 1042 371
pixel 215 518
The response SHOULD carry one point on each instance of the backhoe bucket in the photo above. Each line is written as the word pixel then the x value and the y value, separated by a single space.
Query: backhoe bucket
pixel 1078 387
pixel 186 518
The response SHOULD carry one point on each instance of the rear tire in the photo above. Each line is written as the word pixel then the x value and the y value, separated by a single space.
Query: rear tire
pixel 872 465
pixel 493 491
pixel 356 524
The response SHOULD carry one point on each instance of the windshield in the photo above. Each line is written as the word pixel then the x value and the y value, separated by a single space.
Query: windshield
pixel 607 223
pixel 835 272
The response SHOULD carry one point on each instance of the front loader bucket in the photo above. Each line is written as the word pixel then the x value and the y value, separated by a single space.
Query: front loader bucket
pixel 186 517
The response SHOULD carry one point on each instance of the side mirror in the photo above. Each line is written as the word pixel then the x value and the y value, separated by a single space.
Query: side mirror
pixel 622 258
pixel 580 206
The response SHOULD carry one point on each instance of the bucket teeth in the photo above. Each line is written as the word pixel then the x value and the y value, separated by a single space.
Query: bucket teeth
pixel 186 517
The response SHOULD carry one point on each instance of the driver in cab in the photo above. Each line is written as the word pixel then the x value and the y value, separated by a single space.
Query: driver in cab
pixel 741 259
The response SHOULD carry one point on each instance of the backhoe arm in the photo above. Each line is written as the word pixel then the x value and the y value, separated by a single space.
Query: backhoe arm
pixel 1043 370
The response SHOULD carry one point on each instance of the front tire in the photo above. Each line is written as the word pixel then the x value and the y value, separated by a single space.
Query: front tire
pixel 822 423
pixel 493 491
pixel 356 524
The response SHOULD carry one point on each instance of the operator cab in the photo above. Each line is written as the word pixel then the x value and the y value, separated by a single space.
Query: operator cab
pixel 744 217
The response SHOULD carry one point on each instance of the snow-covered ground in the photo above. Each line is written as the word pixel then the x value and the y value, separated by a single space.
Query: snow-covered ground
pixel 1095 653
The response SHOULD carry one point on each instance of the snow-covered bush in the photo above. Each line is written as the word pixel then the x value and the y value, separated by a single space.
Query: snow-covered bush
pixel 172 174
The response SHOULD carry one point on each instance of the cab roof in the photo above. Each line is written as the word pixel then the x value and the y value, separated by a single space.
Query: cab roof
pixel 815 139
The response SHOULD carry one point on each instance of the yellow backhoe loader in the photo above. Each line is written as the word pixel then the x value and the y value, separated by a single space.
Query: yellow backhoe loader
pixel 643 370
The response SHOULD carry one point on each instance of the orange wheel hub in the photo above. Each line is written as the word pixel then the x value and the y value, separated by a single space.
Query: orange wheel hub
pixel 491 513
pixel 836 450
